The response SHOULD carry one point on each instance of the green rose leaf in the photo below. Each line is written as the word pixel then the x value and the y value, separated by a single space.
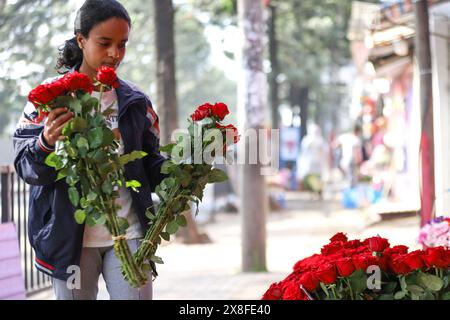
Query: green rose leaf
pixel 156 259
pixel 181 220
pixel 165 236
pixel 74 196
pixel 167 148
pixel 168 167
pixel 172 227
pixel 122 224
pixel 95 137
pixel 108 137
pixel 78 124
pixel 80 216
pixel 217 175
pixel 358 281
pixel 91 196
pixel 430 281
pixel 107 187
pixel 133 184
pixel 399 295
pixel 415 289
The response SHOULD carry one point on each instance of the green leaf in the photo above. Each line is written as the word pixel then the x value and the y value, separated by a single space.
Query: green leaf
pixel 122 224
pixel 446 296
pixel 107 187
pixel 386 296
pixel 78 124
pixel 358 281
pixel 415 289
pixel 427 296
pixel 108 137
pixel 217 175
pixel 80 216
pixel 167 148
pixel 82 143
pixel 91 196
pixel 75 106
pixel 399 295
pixel 156 259
pixel 390 287
pixel 133 184
pixel 126 158
pixel 181 220
pixel 430 281
pixel 150 214
pixel 95 137
pixel 168 166
pixel 74 196
pixel 62 174
pixel 172 227
pixel 51 160
pixel 165 236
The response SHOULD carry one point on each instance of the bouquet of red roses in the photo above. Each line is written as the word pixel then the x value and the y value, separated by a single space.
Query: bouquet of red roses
pixel 88 158
pixel 187 174
pixel 367 270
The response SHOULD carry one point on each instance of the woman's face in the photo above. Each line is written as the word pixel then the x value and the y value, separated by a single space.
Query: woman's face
pixel 105 45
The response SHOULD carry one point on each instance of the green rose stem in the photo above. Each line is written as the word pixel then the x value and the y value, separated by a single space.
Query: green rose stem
pixel 129 268
pixel 163 215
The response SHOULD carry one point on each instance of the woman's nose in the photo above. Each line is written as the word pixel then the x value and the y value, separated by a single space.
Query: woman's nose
pixel 113 52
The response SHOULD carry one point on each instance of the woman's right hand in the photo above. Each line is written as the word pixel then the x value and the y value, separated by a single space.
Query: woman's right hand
pixel 56 120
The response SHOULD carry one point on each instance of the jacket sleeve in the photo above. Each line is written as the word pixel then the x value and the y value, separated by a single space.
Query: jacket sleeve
pixel 154 160
pixel 31 150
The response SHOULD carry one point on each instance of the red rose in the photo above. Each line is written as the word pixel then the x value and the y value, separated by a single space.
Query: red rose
pixel 396 250
pixel 353 244
pixel 331 248
pixel 414 260
pixel 308 263
pixel 202 112
pixel 437 257
pixel 40 95
pixel 273 293
pixel 220 110
pixel 378 244
pixel 339 237
pixel 326 273
pixel 360 262
pixel 107 75
pixel 292 291
pixel 78 81
pixel 399 265
pixel 345 266
pixel 309 281
pixel 57 87
pixel 231 132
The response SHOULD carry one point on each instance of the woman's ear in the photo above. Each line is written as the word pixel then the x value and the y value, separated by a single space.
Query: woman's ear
pixel 80 40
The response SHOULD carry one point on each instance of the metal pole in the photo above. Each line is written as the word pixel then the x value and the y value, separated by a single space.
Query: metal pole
pixel 6 194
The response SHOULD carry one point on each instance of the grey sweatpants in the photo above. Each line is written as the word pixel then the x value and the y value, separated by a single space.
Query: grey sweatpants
pixel 96 261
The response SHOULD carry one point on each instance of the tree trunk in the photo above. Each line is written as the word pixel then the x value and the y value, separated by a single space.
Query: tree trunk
pixel 423 53
pixel 251 97
pixel 299 97
pixel 166 98
pixel 273 55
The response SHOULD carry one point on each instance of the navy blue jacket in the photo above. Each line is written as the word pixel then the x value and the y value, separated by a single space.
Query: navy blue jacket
pixel 52 230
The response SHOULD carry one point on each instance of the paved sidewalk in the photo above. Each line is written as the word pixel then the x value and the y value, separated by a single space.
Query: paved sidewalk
pixel 212 271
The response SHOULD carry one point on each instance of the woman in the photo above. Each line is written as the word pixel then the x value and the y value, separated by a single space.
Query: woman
pixel 75 255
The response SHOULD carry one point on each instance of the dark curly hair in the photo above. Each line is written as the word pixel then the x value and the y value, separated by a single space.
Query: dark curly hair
pixel 91 13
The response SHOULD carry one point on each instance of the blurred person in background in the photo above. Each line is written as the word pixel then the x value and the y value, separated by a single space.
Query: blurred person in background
pixel 350 144
pixel 312 162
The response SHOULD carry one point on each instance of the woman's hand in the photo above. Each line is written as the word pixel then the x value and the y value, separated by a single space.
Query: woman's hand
pixel 56 120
